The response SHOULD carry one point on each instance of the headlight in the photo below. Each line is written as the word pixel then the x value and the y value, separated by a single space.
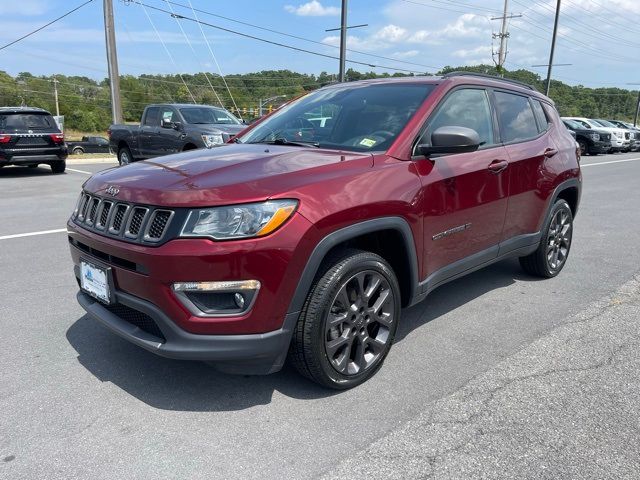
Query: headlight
pixel 238 221
pixel 212 139
pixel 594 136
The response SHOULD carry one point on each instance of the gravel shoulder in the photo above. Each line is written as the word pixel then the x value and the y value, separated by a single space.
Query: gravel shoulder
pixel 565 406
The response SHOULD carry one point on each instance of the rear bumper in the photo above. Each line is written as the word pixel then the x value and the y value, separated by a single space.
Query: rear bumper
pixel 255 354
pixel 19 156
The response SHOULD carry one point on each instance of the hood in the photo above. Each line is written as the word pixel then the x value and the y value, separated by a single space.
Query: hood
pixel 232 173
pixel 217 128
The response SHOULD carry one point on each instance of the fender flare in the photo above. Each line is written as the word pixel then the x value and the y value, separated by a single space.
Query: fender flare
pixel 398 224
pixel 567 184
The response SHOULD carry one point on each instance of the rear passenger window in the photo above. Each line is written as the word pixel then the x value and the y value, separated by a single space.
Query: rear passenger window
pixel 516 118
pixel 151 118
pixel 543 122
pixel 468 107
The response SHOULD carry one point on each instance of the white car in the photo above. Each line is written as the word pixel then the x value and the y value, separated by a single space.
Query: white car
pixel 618 141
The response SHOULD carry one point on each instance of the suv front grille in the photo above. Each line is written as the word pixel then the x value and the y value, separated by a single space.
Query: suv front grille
pixel 126 221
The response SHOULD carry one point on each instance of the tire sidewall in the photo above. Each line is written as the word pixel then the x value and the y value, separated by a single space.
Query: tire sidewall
pixel 557 206
pixel 318 326
pixel 127 152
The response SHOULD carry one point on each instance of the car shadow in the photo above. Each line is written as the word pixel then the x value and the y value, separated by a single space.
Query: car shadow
pixel 195 386
pixel 16 171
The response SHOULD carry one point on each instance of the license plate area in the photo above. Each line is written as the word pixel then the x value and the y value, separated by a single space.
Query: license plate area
pixel 96 281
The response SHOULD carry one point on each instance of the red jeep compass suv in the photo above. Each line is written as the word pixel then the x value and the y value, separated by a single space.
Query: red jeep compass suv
pixel 304 237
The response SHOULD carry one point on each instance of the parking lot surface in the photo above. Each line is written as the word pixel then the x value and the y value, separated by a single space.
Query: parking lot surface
pixel 494 375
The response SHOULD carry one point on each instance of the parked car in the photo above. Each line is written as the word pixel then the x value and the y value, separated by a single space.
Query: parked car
pixel 591 141
pixel 634 131
pixel 628 136
pixel 89 145
pixel 29 136
pixel 172 128
pixel 618 142
pixel 305 244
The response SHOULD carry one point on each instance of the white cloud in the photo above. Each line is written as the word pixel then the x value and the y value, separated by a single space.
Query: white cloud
pixel 391 33
pixel 468 25
pixel 312 9
pixel 407 54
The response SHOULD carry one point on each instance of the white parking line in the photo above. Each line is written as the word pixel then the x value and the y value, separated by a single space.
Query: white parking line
pixel 79 171
pixel 31 234
pixel 612 161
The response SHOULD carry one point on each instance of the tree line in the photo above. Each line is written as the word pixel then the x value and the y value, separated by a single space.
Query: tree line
pixel 85 101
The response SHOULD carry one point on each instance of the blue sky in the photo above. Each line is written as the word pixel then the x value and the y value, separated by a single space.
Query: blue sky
pixel 600 38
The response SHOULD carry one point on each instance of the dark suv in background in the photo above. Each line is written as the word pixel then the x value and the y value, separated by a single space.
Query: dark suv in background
pixel 592 141
pixel 303 240
pixel 30 136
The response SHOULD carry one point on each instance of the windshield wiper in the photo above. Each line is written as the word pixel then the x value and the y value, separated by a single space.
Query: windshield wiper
pixel 294 143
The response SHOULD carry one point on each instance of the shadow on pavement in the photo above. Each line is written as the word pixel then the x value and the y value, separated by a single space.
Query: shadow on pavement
pixel 16 171
pixel 195 386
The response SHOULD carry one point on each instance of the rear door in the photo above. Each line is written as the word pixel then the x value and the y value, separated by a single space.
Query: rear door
pixel 148 129
pixel 526 133
pixel 464 195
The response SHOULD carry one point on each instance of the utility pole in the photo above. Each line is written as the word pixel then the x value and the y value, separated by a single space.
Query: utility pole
pixel 503 35
pixel 343 39
pixel 112 62
pixel 635 118
pixel 55 95
pixel 553 46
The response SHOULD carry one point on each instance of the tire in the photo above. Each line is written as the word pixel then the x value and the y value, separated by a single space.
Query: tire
pixel 359 293
pixel 584 148
pixel 77 151
pixel 124 156
pixel 58 167
pixel 551 255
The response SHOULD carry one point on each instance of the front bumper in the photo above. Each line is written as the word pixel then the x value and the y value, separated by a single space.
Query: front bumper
pixel 247 354
pixel 600 147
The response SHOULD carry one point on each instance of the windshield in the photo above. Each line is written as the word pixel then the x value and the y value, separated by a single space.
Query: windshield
pixel 573 125
pixel 352 117
pixel 27 121
pixel 207 115
pixel 604 123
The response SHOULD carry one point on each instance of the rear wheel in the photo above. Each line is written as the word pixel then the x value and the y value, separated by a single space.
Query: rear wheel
pixel 124 156
pixel 348 322
pixel 552 253
pixel 77 151
pixel 59 167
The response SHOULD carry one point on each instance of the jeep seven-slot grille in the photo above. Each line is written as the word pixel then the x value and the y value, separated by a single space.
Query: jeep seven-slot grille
pixel 134 223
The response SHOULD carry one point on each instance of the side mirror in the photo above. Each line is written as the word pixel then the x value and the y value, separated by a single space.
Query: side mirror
pixel 166 123
pixel 451 140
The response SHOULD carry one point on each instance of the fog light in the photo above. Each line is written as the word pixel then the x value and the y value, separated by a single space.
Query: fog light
pixel 217 299
pixel 239 300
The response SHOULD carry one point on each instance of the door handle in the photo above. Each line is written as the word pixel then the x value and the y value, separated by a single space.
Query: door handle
pixel 550 152
pixel 498 166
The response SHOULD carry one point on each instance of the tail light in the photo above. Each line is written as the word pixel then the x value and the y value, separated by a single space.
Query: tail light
pixel 5 138
pixel 57 137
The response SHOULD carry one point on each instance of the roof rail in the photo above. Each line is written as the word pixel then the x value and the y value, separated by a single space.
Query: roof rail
pixel 492 77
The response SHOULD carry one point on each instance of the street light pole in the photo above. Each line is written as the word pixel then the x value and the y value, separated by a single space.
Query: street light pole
pixel 635 118
pixel 343 41
pixel 112 62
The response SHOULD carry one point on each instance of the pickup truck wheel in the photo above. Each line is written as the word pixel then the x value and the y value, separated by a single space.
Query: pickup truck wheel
pixel 552 253
pixel 348 322
pixel 124 156
pixel 77 151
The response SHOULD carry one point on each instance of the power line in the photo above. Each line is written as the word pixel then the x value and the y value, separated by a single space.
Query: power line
pixel 271 42
pixel 46 25
pixel 278 32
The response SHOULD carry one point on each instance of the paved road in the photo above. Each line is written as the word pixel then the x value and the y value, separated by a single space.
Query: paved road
pixel 78 402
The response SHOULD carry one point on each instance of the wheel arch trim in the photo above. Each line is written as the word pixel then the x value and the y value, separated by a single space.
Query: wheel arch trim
pixel 342 235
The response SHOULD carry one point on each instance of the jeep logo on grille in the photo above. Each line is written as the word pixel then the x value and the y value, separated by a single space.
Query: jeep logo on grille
pixel 111 190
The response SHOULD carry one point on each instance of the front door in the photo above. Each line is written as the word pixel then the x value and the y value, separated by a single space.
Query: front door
pixel 464 195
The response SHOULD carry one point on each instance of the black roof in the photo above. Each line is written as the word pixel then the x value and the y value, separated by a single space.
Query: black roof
pixel 23 110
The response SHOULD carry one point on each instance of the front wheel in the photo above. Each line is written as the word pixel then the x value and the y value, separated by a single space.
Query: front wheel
pixel 552 252
pixel 124 156
pixel 77 151
pixel 348 322
pixel 584 148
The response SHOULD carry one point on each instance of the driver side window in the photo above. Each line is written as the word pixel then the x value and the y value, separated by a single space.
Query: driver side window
pixel 467 107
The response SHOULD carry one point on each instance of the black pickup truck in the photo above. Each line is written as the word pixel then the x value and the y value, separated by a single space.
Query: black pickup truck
pixel 89 145
pixel 171 128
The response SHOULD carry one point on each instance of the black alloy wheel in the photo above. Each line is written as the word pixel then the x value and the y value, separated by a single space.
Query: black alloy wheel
pixel 348 322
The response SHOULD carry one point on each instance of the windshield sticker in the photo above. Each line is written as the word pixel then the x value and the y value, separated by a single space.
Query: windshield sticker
pixel 367 142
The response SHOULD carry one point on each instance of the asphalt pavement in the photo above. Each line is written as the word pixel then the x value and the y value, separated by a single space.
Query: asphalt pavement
pixel 495 375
